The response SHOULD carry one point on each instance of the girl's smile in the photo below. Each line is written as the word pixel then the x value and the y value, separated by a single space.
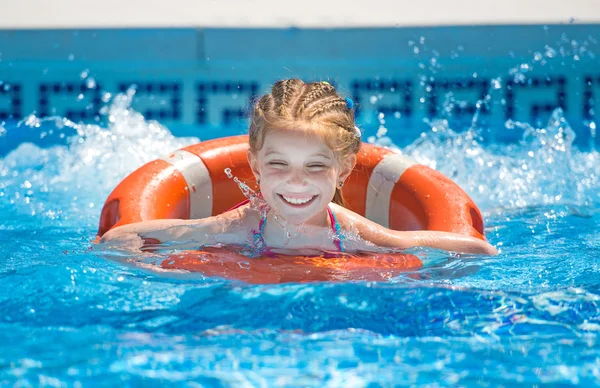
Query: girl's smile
pixel 298 201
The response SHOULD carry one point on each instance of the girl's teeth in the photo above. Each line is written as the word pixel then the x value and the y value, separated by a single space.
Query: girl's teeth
pixel 297 201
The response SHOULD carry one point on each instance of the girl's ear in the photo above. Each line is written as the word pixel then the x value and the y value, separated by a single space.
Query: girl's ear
pixel 253 165
pixel 347 167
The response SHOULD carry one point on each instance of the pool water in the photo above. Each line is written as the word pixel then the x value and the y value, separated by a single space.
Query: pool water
pixel 529 316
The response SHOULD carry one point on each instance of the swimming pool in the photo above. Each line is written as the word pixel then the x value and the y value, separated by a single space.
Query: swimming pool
pixel 529 316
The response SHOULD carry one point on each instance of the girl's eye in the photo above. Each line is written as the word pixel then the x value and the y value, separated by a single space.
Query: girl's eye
pixel 316 166
pixel 276 164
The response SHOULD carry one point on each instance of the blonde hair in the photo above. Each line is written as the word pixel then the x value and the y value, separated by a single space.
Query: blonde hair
pixel 312 107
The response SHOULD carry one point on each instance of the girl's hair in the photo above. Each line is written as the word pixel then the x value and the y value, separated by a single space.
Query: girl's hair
pixel 312 107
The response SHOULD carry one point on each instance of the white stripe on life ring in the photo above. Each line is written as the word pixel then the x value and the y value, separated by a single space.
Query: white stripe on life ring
pixel 381 183
pixel 198 180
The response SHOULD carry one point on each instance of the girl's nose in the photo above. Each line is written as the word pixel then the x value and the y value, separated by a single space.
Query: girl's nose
pixel 296 177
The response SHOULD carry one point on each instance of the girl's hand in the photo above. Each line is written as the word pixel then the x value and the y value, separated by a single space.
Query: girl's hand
pixel 128 241
pixel 449 242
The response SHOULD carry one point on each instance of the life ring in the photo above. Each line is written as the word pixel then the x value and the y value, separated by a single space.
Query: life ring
pixel 385 187
pixel 225 263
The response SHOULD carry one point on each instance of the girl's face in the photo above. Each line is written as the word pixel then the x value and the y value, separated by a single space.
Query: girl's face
pixel 298 174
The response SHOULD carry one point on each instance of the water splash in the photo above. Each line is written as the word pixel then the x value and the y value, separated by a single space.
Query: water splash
pixel 256 201
pixel 71 181
pixel 259 204
pixel 544 168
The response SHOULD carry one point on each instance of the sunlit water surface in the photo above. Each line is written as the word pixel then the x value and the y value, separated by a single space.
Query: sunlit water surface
pixel 528 316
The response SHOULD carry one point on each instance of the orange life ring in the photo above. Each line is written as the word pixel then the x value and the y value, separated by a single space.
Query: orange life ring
pixel 228 264
pixel 385 187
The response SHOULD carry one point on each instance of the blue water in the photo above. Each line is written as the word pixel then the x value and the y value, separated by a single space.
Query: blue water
pixel 529 316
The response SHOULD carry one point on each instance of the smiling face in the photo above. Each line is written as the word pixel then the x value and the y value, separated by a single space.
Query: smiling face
pixel 298 174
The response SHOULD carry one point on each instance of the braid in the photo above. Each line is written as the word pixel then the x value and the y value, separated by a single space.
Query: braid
pixel 277 92
pixel 317 91
pixel 336 103
pixel 284 92
pixel 264 104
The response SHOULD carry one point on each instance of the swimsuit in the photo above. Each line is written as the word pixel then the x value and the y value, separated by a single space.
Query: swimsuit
pixel 259 242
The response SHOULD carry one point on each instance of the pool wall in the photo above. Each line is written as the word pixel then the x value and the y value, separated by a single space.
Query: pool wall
pixel 200 81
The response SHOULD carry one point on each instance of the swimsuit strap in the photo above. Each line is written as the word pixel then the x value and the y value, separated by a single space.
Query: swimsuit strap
pixel 259 241
pixel 335 226
pixel 261 245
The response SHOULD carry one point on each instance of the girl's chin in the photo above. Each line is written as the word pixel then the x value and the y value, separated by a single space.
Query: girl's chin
pixel 295 219
pixel 292 219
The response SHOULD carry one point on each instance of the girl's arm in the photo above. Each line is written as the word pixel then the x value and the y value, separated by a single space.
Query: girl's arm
pixel 138 234
pixel 440 240
pixel 185 234
pixel 384 237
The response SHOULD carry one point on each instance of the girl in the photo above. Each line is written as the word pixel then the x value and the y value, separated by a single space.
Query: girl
pixel 303 145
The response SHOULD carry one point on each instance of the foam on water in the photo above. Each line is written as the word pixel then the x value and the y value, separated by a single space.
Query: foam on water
pixel 544 168
pixel 71 182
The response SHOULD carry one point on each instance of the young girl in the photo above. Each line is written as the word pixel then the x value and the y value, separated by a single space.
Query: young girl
pixel 303 145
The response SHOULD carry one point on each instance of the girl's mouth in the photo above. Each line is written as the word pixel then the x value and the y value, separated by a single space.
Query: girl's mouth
pixel 298 201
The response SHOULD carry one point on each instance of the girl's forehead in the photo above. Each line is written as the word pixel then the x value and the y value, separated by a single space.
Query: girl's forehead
pixel 295 140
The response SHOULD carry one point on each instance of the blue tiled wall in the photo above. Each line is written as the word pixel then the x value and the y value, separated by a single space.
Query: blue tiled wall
pixel 200 82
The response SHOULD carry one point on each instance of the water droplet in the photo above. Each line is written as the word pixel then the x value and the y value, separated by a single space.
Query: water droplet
pixel 90 83
pixel 244 264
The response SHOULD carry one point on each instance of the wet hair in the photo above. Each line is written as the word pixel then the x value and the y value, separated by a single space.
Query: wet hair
pixel 315 108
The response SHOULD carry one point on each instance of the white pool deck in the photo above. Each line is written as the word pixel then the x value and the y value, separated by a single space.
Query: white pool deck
pixel 43 14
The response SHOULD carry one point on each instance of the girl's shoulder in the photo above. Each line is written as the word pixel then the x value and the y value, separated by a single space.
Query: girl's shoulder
pixel 242 217
pixel 231 227
pixel 352 221
pixel 345 217
pixel 342 211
